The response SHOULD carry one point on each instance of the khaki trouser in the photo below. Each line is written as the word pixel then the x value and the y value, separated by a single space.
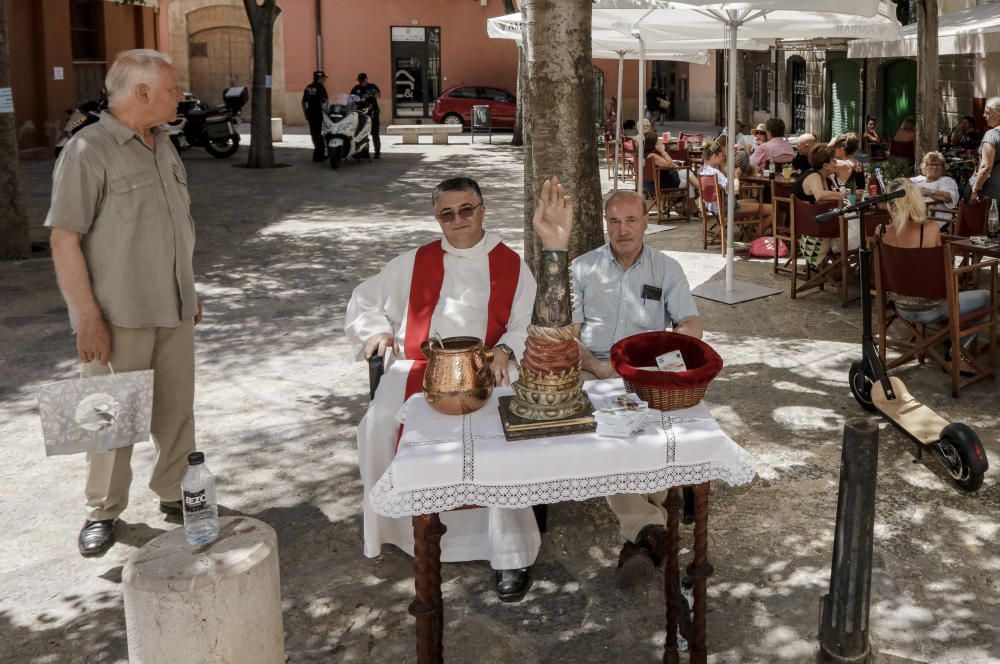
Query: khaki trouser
pixel 636 511
pixel 169 352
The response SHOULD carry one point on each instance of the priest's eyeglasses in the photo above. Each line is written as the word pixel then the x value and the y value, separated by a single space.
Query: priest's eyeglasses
pixel 465 212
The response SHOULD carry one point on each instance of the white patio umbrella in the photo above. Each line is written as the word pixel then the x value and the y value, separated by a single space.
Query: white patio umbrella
pixel 674 22
pixel 972 30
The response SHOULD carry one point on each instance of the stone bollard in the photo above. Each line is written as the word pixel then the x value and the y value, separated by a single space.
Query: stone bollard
pixel 276 130
pixel 220 602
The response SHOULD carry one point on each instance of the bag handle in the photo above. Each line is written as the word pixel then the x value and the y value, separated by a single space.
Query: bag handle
pixel 111 368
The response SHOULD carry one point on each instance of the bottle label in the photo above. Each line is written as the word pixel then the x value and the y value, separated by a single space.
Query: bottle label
pixel 195 501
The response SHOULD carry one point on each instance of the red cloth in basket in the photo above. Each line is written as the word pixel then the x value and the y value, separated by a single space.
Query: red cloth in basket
pixel 641 350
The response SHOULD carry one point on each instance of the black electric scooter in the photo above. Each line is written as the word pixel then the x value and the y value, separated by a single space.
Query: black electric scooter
pixel 955 445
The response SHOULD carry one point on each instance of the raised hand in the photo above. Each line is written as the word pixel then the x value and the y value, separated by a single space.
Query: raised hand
pixel 553 218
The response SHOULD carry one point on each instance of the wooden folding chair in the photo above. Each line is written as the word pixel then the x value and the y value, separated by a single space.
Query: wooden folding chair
pixel 628 169
pixel 671 199
pixel 903 150
pixel 609 156
pixel 713 226
pixel 929 272
pixel 830 268
pixel 781 226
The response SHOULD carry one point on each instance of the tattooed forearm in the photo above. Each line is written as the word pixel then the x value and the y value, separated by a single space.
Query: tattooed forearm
pixel 552 301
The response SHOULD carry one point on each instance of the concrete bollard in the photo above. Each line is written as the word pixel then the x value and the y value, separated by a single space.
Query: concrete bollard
pixel 843 615
pixel 220 602
pixel 276 130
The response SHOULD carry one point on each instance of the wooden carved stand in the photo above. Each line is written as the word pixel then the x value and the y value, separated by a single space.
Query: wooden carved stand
pixel 428 606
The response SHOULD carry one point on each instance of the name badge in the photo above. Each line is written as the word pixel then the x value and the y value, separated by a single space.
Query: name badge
pixel 651 292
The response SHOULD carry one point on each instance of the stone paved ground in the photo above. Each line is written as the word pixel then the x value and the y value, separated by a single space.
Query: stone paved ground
pixel 279 396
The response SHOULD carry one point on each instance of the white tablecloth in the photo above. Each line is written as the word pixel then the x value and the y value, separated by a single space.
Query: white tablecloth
pixel 447 461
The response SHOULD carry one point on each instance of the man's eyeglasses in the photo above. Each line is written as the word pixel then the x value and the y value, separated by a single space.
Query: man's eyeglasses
pixel 465 212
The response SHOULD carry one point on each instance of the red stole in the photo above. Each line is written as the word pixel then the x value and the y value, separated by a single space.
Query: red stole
pixel 425 289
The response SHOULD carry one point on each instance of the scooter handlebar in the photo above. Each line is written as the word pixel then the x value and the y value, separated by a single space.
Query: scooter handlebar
pixel 861 205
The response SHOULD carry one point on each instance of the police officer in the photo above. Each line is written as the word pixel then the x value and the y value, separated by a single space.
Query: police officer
pixel 369 94
pixel 314 99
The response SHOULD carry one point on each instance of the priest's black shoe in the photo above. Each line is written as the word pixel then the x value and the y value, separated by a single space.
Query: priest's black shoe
pixel 513 584
pixel 171 507
pixel 96 537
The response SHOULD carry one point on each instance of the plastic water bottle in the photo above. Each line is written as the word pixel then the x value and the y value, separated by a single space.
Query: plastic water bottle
pixel 201 512
pixel 993 223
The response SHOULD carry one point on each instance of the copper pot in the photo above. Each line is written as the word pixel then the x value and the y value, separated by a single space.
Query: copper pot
pixel 458 379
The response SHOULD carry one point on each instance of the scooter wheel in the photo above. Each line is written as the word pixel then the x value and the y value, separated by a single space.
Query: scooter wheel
pixel 861 386
pixel 962 455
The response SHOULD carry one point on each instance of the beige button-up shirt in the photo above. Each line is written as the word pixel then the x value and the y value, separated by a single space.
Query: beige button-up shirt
pixel 131 205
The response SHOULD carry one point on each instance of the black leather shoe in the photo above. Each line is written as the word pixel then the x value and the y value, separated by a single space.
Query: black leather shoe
pixel 513 584
pixel 378 156
pixel 638 560
pixel 171 507
pixel 96 537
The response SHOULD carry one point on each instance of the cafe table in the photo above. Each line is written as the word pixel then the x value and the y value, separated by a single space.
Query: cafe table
pixel 449 462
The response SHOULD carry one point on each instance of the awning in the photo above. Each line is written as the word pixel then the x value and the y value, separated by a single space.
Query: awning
pixel 968 31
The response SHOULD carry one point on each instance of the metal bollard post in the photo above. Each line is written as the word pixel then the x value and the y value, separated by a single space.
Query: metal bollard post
pixel 843 620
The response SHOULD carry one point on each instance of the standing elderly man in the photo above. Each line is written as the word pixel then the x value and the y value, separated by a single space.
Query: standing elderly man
pixel 468 283
pixel 775 150
pixel 803 147
pixel 122 243
pixel 624 288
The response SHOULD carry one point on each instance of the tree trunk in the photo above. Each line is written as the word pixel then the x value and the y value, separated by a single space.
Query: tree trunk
pixel 928 95
pixel 559 118
pixel 262 17
pixel 14 239
pixel 518 137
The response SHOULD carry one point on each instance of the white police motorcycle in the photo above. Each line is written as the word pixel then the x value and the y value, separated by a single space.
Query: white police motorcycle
pixel 347 128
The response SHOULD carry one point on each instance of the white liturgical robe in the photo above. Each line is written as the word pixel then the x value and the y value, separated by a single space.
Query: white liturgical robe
pixel 508 539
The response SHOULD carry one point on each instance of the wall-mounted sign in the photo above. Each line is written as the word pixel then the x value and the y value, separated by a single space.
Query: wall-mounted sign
pixel 267 81
pixel 6 100
pixel 57 74
pixel 408 34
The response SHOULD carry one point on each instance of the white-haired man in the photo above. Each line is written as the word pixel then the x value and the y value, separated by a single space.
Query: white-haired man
pixel 986 180
pixel 122 243
pixel 620 289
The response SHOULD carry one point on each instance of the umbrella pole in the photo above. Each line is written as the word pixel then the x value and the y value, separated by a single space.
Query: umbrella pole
pixel 731 27
pixel 618 116
pixel 639 143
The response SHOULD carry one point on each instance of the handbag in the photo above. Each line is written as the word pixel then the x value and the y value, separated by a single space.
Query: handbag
pixel 764 247
pixel 663 103
pixel 96 413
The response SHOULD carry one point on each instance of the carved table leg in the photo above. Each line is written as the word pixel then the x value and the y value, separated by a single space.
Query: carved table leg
pixel 700 570
pixel 427 607
pixel 672 503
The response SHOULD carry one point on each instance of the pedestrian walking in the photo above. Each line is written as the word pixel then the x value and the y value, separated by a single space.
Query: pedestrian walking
pixel 314 101
pixel 369 94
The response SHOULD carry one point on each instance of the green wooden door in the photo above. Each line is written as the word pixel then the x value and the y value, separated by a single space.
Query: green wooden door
pixel 844 93
pixel 899 95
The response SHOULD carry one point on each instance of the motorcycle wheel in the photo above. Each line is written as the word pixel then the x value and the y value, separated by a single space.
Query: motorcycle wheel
pixel 222 150
pixel 335 158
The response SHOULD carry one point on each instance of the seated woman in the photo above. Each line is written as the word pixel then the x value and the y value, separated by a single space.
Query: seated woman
pixel 714 157
pixel 656 155
pixel 850 171
pixel 871 135
pixel 910 229
pixel 817 185
pixel 935 186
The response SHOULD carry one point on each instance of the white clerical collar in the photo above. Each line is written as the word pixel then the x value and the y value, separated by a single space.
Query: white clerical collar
pixel 481 248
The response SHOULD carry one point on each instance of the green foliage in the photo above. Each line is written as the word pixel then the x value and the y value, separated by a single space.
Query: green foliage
pixel 896 168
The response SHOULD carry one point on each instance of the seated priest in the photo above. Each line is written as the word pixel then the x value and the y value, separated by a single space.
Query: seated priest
pixel 468 283
pixel 620 289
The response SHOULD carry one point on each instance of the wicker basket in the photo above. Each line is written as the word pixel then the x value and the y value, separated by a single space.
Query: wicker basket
pixel 666 390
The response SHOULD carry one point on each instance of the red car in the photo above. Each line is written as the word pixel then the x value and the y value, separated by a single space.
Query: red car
pixel 454 106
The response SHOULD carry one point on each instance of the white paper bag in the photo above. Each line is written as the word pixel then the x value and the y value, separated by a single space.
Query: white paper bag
pixel 96 413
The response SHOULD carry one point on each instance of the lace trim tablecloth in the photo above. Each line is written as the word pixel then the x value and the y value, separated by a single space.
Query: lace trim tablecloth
pixel 445 462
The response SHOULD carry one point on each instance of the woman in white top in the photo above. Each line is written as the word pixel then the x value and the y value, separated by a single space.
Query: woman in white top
pixel 936 187
pixel 714 157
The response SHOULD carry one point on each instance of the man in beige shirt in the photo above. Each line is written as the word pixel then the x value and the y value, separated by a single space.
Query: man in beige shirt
pixel 122 243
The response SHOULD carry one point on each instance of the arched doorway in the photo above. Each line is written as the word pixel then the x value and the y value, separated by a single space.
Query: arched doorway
pixel 797 87
pixel 220 48
pixel 899 94
pixel 844 93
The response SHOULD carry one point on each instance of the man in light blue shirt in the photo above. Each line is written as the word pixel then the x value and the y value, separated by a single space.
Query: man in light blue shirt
pixel 620 289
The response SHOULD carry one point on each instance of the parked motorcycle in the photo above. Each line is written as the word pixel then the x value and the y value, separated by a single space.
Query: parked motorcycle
pixel 209 127
pixel 84 115
pixel 347 128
